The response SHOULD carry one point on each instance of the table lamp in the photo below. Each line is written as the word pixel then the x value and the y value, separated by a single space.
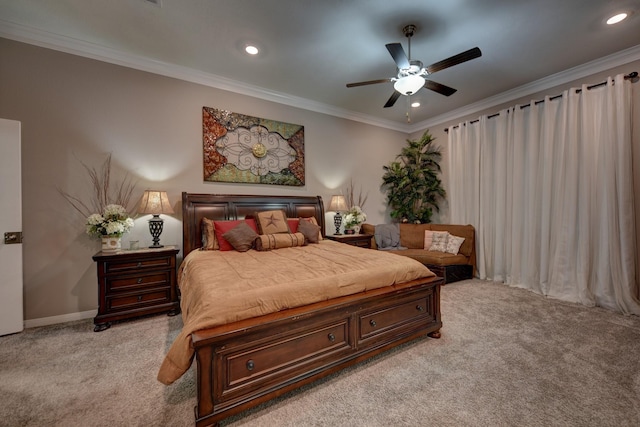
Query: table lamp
pixel 337 204
pixel 155 203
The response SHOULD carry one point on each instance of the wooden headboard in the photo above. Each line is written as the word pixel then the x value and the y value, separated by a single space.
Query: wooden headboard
pixel 232 206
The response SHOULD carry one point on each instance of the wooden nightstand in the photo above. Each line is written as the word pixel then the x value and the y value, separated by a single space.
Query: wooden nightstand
pixel 360 240
pixel 135 283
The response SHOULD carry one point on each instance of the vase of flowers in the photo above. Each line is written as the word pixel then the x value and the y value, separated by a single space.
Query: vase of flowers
pixel 353 219
pixel 109 226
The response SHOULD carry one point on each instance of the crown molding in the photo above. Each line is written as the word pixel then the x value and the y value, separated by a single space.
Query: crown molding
pixel 602 64
pixel 85 49
pixel 82 48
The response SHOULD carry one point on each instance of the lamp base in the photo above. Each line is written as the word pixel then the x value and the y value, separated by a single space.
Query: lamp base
pixel 155 228
pixel 337 221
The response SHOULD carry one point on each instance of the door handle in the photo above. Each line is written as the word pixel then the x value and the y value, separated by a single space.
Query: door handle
pixel 12 237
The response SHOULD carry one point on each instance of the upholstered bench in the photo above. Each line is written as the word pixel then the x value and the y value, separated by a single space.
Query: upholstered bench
pixel 452 267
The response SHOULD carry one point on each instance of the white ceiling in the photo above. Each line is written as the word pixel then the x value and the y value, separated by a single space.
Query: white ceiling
pixel 310 49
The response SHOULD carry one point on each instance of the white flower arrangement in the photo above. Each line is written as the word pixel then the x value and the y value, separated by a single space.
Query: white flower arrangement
pixel 354 216
pixel 113 222
pixel 112 202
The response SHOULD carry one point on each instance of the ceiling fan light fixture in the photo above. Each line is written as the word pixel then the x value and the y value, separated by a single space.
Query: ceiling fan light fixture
pixel 409 85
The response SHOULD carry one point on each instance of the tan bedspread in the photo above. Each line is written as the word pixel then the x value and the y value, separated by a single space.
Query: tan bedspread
pixel 223 287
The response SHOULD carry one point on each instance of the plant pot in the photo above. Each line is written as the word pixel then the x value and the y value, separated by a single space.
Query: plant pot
pixel 111 244
pixel 354 229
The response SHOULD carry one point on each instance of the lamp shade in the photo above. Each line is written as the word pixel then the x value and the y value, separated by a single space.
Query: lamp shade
pixel 155 203
pixel 409 85
pixel 337 204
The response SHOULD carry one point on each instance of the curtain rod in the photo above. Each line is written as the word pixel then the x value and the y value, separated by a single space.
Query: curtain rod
pixel 631 76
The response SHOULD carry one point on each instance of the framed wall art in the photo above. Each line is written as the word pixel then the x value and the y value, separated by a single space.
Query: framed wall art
pixel 244 149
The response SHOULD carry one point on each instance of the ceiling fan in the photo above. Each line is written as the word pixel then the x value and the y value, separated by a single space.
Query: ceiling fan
pixel 411 73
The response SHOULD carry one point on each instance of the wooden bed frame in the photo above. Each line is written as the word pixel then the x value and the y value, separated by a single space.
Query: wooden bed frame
pixel 243 364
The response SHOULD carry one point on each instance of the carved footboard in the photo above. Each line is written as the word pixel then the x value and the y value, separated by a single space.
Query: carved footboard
pixel 249 362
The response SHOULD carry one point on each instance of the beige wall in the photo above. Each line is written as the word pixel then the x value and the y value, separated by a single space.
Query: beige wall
pixel 76 108
pixel 441 135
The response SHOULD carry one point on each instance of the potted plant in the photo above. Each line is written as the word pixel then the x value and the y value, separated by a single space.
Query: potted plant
pixel 106 214
pixel 355 216
pixel 109 226
pixel 412 184
pixel 353 220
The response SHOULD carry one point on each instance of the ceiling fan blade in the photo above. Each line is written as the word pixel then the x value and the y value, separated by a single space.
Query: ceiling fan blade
pixel 370 82
pixel 454 60
pixel 392 100
pixel 440 88
pixel 397 52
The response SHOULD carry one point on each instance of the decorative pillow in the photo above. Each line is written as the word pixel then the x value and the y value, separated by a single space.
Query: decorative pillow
pixel 438 241
pixel 293 224
pixel 453 244
pixel 312 220
pixel 266 242
pixel 241 237
pixel 311 231
pixel 272 222
pixel 222 227
pixel 428 239
pixel 209 241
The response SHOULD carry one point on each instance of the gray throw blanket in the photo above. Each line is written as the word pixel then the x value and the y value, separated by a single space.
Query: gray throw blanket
pixel 388 237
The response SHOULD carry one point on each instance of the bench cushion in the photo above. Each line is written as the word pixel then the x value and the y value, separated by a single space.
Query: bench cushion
pixel 433 257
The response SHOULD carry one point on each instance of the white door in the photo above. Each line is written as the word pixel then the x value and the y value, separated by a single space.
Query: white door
pixel 11 317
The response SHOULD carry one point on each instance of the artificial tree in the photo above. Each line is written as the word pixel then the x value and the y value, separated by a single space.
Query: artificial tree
pixel 412 184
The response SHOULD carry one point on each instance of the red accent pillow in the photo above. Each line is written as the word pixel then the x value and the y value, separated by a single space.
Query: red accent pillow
pixel 222 227
pixel 293 224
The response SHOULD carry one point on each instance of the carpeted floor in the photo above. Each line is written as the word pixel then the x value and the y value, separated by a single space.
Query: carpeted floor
pixel 507 357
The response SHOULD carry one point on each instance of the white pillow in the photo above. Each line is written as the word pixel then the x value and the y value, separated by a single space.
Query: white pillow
pixel 439 241
pixel 453 244
pixel 428 234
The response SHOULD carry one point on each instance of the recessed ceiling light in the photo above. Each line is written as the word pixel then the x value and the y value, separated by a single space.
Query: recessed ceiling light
pixel 251 50
pixel 415 104
pixel 616 18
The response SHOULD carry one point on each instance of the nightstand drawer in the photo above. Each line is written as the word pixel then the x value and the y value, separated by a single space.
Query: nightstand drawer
pixel 140 264
pixel 156 280
pixel 130 301
pixel 358 240
pixel 362 243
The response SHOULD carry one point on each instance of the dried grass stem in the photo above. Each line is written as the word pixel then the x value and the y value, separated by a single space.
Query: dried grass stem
pixel 102 194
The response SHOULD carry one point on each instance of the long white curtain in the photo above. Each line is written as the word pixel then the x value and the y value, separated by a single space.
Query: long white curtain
pixel 549 189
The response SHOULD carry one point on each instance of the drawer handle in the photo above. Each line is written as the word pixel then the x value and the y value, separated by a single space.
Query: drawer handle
pixel 250 365
pixel 419 307
pixel 139 280
pixel 139 264
pixel 139 298
pixel 372 323
pixel 331 337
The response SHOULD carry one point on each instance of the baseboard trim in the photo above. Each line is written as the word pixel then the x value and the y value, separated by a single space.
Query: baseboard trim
pixel 52 320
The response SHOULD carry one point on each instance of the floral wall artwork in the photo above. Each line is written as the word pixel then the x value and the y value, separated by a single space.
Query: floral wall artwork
pixel 246 149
